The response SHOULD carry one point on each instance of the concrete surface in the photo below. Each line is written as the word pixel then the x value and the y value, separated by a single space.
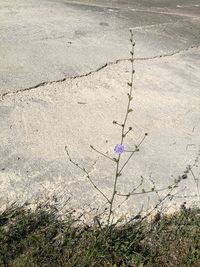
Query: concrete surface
pixel 63 75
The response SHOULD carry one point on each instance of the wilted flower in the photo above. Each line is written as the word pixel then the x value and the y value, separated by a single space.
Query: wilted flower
pixel 119 149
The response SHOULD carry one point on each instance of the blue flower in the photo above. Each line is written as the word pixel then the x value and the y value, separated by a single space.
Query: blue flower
pixel 119 149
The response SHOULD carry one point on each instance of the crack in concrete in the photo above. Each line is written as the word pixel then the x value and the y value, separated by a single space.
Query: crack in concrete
pixel 42 84
pixel 61 80
pixel 169 54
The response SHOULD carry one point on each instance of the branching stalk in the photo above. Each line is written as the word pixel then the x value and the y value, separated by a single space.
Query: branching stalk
pixel 123 131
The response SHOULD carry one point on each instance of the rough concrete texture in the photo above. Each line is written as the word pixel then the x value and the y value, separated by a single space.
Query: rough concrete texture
pixel 63 80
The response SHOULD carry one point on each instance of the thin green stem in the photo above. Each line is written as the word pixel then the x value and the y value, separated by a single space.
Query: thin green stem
pixel 123 134
pixel 114 190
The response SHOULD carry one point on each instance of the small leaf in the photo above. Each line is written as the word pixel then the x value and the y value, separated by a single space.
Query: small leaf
pixel 130 110
pixel 129 84
pixel 35 238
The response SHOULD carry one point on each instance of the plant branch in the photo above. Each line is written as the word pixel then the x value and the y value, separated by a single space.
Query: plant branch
pixel 87 174
pixel 123 133
pixel 133 152
pixel 102 154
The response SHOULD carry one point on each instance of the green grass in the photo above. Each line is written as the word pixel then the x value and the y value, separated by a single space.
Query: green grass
pixel 41 238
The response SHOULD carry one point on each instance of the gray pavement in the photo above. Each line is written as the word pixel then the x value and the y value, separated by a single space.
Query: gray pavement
pixel 63 74
pixel 43 41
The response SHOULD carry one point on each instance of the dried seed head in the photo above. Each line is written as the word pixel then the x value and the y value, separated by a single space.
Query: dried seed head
pixel 184 176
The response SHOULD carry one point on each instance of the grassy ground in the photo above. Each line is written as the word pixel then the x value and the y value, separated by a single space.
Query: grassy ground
pixel 41 238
